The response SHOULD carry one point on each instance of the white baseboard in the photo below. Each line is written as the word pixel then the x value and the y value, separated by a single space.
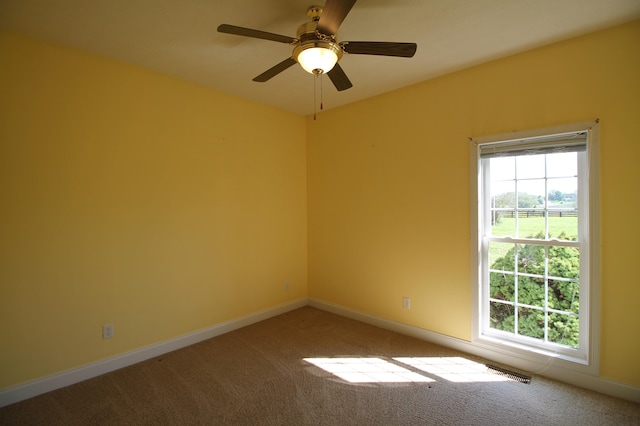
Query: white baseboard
pixel 69 377
pixel 553 370
pixel 66 378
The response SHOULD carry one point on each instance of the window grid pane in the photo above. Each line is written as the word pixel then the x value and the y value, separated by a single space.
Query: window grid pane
pixel 533 285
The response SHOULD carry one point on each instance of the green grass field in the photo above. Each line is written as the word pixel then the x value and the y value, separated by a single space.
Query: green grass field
pixel 532 225
pixel 529 227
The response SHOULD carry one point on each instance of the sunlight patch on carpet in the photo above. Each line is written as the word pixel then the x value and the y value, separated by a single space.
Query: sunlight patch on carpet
pixel 453 369
pixel 368 370
pixel 410 369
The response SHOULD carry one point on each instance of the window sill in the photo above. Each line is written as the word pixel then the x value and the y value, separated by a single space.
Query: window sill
pixel 532 359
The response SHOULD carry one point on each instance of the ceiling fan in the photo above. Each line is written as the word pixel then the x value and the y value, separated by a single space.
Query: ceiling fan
pixel 316 47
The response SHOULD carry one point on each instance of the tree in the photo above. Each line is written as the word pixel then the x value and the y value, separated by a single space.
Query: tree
pixel 555 195
pixel 508 200
pixel 562 292
pixel 525 201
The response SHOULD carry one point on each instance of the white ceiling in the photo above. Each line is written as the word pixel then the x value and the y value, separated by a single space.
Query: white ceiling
pixel 179 37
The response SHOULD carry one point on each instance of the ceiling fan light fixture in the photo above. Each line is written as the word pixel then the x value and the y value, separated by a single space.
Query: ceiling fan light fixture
pixel 316 47
pixel 318 56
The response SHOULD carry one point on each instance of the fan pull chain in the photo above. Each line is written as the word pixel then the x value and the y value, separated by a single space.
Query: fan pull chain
pixel 315 77
pixel 317 74
pixel 321 97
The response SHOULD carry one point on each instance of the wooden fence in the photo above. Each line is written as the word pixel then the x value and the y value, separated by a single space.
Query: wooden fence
pixel 535 213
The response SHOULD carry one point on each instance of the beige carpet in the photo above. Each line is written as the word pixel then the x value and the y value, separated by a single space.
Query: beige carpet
pixel 310 367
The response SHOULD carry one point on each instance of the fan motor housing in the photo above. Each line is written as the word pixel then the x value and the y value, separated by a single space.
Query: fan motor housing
pixel 325 44
pixel 307 31
pixel 308 38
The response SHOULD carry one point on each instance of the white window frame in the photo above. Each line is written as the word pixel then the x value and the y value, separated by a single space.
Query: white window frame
pixel 535 355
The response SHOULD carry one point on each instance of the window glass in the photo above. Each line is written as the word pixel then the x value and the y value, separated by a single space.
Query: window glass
pixel 531 253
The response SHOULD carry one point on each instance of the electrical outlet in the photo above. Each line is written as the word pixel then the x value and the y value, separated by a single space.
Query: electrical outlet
pixel 406 303
pixel 107 331
pixel 286 286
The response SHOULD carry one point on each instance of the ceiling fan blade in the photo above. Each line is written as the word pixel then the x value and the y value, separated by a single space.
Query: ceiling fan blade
pixel 333 13
pixel 275 70
pixel 339 78
pixel 383 48
pixel 248 32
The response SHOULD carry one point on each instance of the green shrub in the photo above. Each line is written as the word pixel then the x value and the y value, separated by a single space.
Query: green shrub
pixel 561 295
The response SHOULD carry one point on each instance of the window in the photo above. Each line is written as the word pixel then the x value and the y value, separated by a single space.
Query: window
pixel 535 224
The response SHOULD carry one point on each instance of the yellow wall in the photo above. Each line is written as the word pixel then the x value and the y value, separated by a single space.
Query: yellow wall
pixel 132 198
pixel 389 202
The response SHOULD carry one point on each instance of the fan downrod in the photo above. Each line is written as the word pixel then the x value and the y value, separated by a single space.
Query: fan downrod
pixel 314 12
